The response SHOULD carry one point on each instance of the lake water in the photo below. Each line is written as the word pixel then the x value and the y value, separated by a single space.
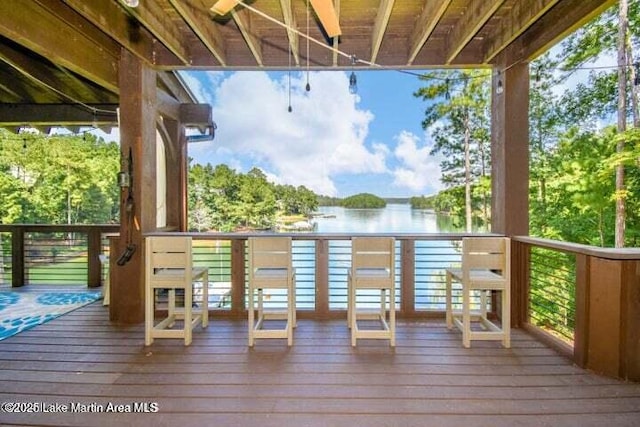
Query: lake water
pixel 394 218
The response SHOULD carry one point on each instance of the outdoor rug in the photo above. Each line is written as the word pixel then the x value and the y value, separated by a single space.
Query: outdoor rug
pixel 23 310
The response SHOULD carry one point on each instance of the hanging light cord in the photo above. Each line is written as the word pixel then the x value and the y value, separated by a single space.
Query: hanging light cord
pixel 308 87
pixel 290 108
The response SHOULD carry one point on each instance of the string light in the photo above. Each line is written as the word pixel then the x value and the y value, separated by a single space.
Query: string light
pixel 353 80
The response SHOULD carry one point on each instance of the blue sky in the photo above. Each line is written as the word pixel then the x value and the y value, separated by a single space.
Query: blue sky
pixel 333 142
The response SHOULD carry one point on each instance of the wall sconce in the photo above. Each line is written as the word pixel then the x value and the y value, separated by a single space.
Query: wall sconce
pixel 124 179
pixel 131 3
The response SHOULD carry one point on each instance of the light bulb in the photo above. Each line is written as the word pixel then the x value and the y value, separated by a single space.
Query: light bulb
pixel 131 3
pixel 353 83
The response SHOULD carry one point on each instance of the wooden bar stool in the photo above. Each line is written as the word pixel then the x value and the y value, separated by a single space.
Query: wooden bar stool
pixel 372 268
pixel 486 268
pixel 270 268
pixel 168 265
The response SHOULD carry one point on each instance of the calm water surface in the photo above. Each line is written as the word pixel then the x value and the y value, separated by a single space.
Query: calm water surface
pixel 398 218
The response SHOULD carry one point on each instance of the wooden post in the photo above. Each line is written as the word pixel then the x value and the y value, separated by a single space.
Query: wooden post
pixel 322 278
pixel 18 275
pixel 238 277
pixel 510 150
pixel 408 277
pixel 510 157
pixel 138 136
pixel 94 237
pixel 581 330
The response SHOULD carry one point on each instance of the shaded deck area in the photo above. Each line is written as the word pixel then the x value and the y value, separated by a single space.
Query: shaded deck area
pixel 429 379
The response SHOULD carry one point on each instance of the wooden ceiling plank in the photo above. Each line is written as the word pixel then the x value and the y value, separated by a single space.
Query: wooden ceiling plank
pixel 58 114
pixel 290 22
pixel 477 14
pixel 242 19
pixel 558 23
pixel 153 17
pixel 380 26
pixel 113 21
pixel 201 26
pixel 522 16
pixel 426 23
pixel 41 74
pixel 42 32
pixel 14 90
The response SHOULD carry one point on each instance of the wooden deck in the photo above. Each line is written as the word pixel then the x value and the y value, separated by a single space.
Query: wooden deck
pixel 429 379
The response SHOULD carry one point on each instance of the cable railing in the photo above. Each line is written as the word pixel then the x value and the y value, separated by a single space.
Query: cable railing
pixel 552 292
pixel 54 255
pixel 580 299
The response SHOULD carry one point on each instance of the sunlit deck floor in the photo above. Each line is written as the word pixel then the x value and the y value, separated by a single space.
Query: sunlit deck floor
pixel 428 380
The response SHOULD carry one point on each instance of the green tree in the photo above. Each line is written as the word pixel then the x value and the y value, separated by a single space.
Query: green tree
pixel 458 115
pixel 61 179
pixel 364 201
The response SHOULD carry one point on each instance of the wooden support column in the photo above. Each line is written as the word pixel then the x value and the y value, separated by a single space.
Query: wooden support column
pixel 176 173
pixel 510 149
pixel 138 105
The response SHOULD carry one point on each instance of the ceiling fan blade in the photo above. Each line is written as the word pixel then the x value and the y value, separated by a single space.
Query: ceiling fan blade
pixel 222 7
pixel 327 15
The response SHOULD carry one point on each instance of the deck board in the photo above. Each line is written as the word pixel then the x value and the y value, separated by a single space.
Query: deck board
pixel 428 379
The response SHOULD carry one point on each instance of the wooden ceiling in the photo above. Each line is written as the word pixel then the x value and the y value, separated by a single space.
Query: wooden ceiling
pixel 67 51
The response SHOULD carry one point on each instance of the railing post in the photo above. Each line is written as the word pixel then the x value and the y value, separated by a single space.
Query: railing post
pixel 237 277
pixel 581 329
pixel 322 278
pixel 94 243
pixel 17 257
pixel 520 277
pixel 408 277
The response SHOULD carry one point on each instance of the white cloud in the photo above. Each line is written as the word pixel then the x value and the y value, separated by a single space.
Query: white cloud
pixel 324 135
pixel 418 170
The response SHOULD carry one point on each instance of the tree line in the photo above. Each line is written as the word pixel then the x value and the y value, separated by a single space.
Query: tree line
pixel 584 177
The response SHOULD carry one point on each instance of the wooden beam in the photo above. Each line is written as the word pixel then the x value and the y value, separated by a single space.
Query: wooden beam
pixel 290 21
pixel 154 18
pixel 426 23
pixel 175 86
pixel 380 26
pixel 521 17
pixel 477 14
pixel 336 40
pixel 39 30
pixel 242 19
pixel 208 34
pixel 559 22
pixel 58 114
pixel 112 19
pixel 195 115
